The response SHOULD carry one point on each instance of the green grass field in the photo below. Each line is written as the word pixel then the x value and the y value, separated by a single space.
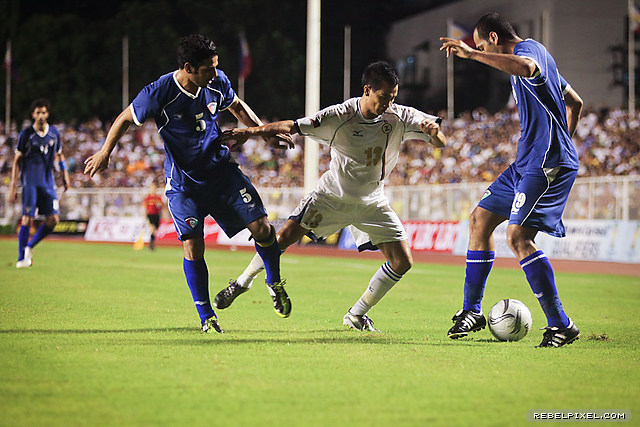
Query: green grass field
pixel 99 334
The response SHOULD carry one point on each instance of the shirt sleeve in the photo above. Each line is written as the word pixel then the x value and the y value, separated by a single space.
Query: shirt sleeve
pixel 58 143
pixel 323 125
pixel 564 85
pixel 535 52
pixel 147 104
pixel 228 94
pixel 412 119
pixel 22 142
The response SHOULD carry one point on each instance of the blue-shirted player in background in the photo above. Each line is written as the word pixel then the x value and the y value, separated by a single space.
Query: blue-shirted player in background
pixel 202 178
pixel 533 191
pixel 39 148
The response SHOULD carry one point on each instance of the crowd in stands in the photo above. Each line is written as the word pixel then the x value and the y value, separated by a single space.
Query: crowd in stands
pixel 480 146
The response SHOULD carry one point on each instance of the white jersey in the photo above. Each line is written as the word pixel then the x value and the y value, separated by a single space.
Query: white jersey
pixel 363 151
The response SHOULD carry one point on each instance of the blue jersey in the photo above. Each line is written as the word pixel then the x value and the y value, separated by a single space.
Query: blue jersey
pixel 38 151
pixel 187 124
pixel 545 141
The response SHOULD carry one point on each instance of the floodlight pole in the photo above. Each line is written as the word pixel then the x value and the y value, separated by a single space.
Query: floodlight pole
pixel 125 72
pixel 312 92
pixel 7 100
pixel 632 61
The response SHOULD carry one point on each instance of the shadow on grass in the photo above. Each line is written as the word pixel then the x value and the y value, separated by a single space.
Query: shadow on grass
pixel 93 331
pixel 257 336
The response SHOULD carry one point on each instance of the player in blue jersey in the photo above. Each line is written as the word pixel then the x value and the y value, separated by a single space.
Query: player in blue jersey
pixel 532 193
pixel 39 148
pixel 202 178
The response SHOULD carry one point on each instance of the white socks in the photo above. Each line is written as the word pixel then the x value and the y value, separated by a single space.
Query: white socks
pixel 253 269
pixel 380 283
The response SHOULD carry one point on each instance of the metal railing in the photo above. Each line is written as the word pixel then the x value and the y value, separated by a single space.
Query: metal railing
pixel 610 197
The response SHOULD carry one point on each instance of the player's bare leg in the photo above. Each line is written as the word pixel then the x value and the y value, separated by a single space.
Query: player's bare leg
pixel 399 261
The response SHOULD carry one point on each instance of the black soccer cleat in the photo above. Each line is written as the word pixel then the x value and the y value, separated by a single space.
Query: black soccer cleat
pixel 466 321
pixel 281 301
pixel 226 296
pixel 556 337
pixel 211 324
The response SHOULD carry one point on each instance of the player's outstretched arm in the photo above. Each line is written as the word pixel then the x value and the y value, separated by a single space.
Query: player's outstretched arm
pixel 574 109
pixel 245 114
pixel 509 63
pixel 100 160
pixel 432 129
pixel 240 136
pixel 15 172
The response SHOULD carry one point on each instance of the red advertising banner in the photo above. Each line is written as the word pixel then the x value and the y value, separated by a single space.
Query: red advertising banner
pixel 438 236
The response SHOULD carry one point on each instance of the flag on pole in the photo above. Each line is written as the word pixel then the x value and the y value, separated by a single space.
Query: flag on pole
pixel 7 57
pixel 634 18
pixel 245 57
pixel 460 32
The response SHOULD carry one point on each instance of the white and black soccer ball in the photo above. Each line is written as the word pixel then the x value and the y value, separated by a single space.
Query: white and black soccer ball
pixel 509 320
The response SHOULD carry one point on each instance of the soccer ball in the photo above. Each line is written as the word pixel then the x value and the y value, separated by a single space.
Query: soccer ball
pixel 509 320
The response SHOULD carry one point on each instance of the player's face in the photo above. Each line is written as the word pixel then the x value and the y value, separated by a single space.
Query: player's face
pixel 40 115
pixel 206 72
pixel 490 45
pixel 377 101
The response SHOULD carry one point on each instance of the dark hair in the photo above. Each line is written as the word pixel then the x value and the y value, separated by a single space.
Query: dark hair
pixel 379 72
pixel 195 49
pixel 40 102
pixel 492 22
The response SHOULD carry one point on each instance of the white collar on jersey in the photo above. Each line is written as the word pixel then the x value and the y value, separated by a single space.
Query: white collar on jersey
pixel 186 92
pixel 43 133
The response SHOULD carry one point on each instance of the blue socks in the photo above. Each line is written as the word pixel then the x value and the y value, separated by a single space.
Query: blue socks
pixel 540 277
pixel 23 238
pixel 269 251
pixel 479 265
pixel 42 232
pixel 197 276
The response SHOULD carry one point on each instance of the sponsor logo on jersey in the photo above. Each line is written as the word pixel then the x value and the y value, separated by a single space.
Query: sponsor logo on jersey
pixel 486 194
pixel 51 143
pixel 315 122
pixel 387 128
pixel 212 106
pixel 191 222
pixel 358 132
pixel 177 116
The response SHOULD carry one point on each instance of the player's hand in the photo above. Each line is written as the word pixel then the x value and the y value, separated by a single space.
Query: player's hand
pixel 234 138
pixel 66 182
pixel 430 127
pixel 281 141
pixel 457 47
pixel 96 163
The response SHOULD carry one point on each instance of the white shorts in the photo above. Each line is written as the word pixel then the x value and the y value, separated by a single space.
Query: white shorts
pixel 374 222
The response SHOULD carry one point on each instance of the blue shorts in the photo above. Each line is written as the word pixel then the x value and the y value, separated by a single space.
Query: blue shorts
pixel 535 199
pixel 43 197
pixel 231 200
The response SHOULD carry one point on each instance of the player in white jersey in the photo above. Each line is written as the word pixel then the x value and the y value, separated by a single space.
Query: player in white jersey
pixel 365 135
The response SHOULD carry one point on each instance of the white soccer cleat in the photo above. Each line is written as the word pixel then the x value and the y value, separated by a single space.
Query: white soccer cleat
pixel 359 322
pixel 24 263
